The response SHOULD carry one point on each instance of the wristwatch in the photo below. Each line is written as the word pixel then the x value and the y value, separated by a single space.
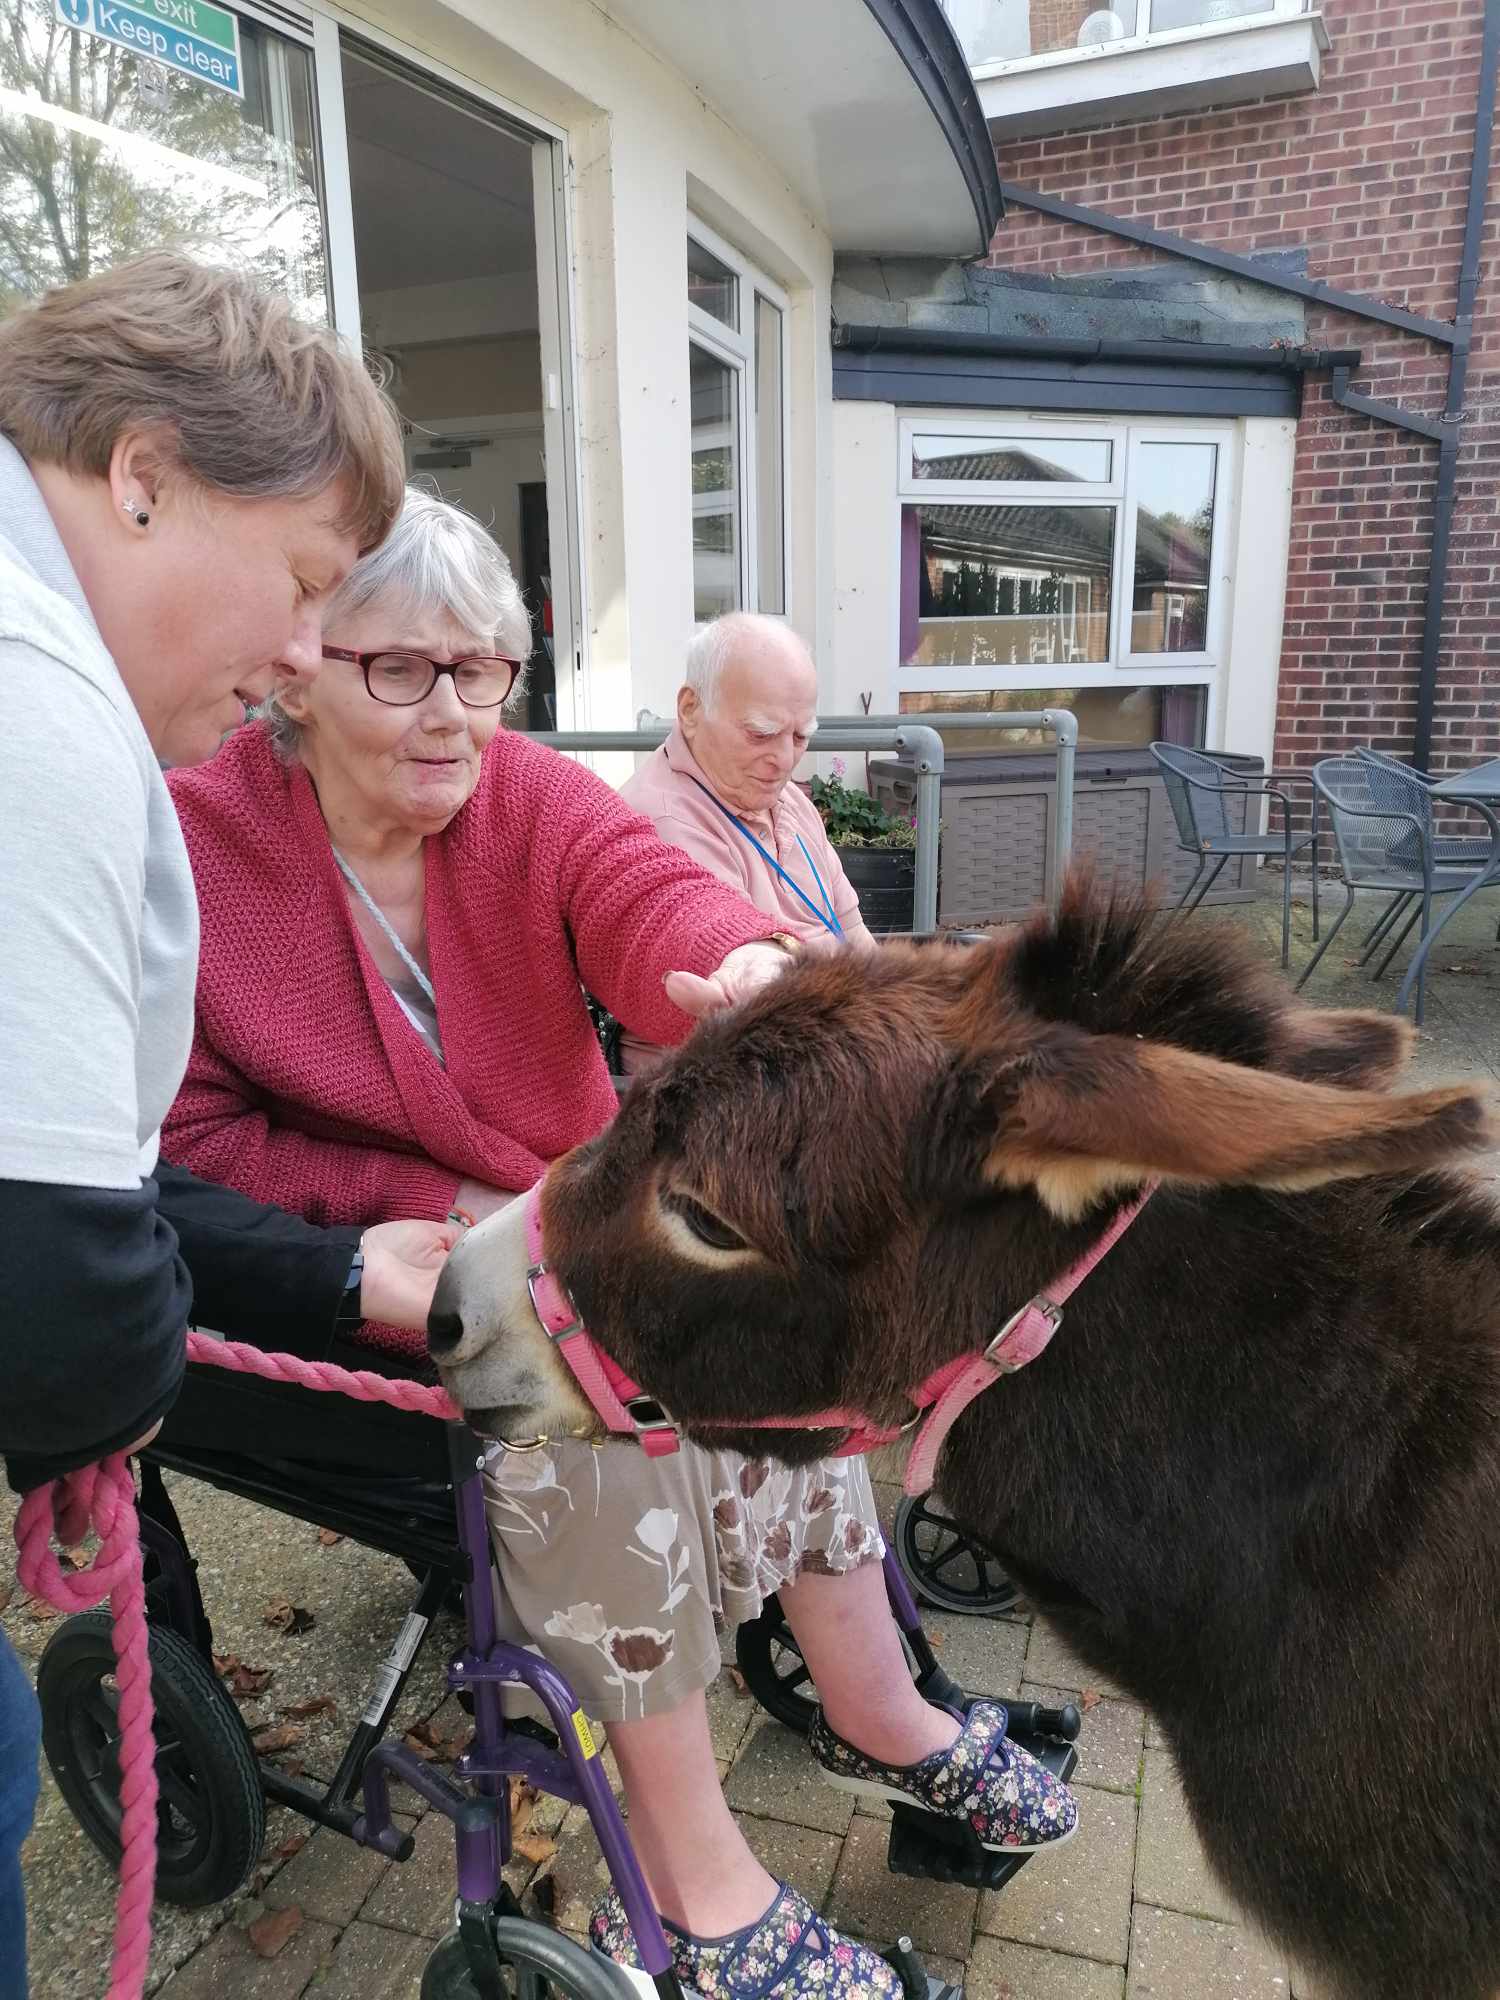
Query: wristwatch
pixel 349 1317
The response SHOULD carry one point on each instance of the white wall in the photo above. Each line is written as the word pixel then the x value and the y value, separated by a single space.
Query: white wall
pixel 637 137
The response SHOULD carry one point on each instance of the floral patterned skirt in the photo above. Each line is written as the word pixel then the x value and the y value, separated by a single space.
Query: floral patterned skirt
pixel 622 1569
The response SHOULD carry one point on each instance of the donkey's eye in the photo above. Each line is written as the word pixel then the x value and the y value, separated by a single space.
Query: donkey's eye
pixel 709 1228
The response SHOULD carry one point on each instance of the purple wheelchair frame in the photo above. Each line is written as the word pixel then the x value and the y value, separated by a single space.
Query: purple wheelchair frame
pixel 479 1806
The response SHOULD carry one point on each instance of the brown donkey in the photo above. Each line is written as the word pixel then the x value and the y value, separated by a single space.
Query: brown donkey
pixel 1255 1480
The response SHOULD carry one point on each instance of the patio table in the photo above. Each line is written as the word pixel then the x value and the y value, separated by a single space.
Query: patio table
pixel 1479 788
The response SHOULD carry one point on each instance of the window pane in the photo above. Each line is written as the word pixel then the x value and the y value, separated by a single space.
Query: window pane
pixel 1110 718
pixel 715 484
pixel 712 286
pixel 1002 30
pixel 1196 13
pixel 770 502
pixel 104 154
pixel 1174 525
pixel 1011 459
pixel 1006 586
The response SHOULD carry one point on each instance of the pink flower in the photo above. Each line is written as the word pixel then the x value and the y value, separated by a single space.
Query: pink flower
pixel 839 767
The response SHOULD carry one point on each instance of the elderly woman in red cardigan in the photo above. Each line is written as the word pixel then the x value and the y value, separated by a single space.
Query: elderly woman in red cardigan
pixel 399 901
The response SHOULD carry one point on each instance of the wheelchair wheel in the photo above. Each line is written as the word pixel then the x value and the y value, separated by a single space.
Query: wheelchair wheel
pixel 946 1567
pixel 211 1815
pixel 532 1963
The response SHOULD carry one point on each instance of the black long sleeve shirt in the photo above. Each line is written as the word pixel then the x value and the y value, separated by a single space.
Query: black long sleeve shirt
pixel 103 1284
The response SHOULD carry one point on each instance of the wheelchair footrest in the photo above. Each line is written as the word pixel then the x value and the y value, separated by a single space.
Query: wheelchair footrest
pixel 935 1849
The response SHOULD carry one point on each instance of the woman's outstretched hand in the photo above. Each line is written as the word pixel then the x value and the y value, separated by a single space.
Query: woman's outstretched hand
pixel 747 968
pixel 402 1262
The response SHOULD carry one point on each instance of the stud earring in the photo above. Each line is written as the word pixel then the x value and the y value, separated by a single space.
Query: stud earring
pixel 142 518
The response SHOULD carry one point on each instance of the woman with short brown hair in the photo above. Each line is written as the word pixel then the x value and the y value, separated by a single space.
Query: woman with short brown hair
pixel 187 472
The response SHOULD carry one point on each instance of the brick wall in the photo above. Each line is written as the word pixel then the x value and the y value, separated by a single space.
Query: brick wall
pixel 1369 177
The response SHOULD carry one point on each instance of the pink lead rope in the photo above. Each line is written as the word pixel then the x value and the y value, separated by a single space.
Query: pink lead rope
pixel 102 1497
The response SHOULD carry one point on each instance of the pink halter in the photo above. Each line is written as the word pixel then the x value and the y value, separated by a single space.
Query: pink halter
pixel 624 1408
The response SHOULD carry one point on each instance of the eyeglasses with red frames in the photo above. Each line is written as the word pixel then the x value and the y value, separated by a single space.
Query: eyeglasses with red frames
pixel 401 680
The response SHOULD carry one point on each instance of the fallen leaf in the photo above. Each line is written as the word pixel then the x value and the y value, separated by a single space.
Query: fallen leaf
pixel 436 1745
pixel 741 1685
pixel 318 1704
pixel 293 1767
pixel 276 1736
pixel 523 1798
pixel 245 1682
pixel 41 1610
pixel 293 1844
pixel 287 1617
pixel 271 1933
pixel 329 1538
pixel 534 1847
pixel 1090 1698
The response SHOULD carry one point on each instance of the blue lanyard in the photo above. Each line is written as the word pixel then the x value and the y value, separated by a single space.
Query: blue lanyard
pixel 827 916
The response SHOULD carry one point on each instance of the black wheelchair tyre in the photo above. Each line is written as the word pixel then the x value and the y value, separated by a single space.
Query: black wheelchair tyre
pixel 948 1568
pixel 211 1817
pixel 535 1963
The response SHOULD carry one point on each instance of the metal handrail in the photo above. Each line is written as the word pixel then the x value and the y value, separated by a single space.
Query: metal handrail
pixel 923 744
pixel 1063 725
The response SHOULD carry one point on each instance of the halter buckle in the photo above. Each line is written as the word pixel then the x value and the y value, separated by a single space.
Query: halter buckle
pixel 646 1414
pixel 995 1354
pixel 534 1276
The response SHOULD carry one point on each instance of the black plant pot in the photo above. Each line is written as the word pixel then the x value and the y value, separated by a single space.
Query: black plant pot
pixel 885 881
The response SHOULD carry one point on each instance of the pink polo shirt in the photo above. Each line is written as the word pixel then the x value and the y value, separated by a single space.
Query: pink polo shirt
pixel 664 790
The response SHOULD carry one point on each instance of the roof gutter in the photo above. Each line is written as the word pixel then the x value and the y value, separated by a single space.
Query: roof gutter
pixel 923 37
pixel 1018 346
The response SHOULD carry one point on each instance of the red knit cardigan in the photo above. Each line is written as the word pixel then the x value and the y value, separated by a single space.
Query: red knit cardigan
pixel 308 1086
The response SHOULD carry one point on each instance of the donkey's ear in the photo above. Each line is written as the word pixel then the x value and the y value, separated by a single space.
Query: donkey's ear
pixel 1081 1115
pixel 1348 1046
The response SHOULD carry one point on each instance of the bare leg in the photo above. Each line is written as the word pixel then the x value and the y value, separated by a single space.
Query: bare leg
pixel 853 1651
pixel 697 1865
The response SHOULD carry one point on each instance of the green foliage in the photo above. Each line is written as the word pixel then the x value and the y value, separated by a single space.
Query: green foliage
pixel 853 819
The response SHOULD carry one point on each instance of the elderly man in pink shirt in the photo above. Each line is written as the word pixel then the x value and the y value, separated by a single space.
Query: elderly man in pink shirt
pixel 720 786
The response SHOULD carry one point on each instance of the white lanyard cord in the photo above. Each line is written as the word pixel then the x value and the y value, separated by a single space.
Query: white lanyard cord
pixel 385 924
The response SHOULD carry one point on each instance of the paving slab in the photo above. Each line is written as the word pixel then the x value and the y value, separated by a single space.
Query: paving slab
pixel 372 1963
pixel 226 1966
pixel 1002 1971
pixel 870 1901
pixel 775 1778
pixel 1171 1869
pixel 984 1655
pixel 794 1854
pixel 1176 1957
pixel 1049 1661
pixel 1077 1898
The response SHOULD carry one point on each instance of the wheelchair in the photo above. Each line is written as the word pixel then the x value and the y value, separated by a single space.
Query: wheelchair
pixel 330 1467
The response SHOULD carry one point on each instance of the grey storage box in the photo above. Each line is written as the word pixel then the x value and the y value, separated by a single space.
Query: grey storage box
pixel 997 826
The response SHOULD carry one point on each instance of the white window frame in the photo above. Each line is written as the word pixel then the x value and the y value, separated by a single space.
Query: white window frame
pixel 1144 36
pixel 735 347
pixel 1208 668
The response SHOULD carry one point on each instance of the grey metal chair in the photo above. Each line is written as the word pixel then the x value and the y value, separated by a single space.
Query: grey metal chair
pixel 1381 815
pixel 1199 789
pixel 1448 851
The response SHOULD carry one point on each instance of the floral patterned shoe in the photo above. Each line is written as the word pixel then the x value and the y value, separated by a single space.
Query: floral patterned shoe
pixel 1014 1804
pixel 788 1954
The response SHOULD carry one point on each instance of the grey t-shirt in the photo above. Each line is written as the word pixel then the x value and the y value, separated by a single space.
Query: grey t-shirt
pixel 98 918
